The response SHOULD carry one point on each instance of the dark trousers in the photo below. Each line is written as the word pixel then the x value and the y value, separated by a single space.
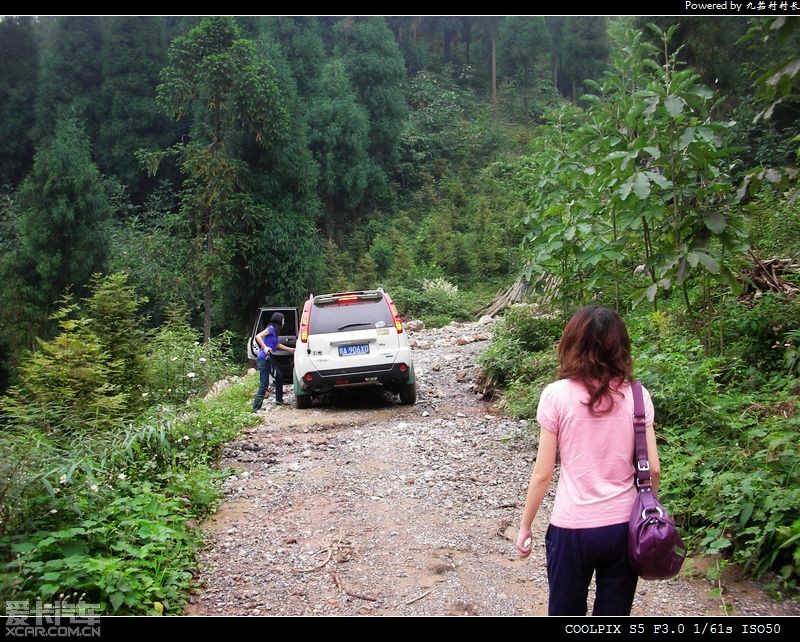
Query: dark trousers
pixel 574 554
pixel 265 367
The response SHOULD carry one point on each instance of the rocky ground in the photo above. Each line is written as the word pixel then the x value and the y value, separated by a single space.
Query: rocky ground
pixel 363 506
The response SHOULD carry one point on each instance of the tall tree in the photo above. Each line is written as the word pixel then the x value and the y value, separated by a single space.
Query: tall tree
pixel 406 30
pixel 71 75
pixel 218 79
pixel 522 39
pixel 19 70
pixel 584 52
pixel 488 26
pixel 339 142
pixel 280 263
pixel 62 231
pixel 300 39
pixel 555 24
pixel 134 51
pixel 375 66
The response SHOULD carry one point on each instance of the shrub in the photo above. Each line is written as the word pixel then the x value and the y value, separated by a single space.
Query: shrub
pixel 435 305
pixel 179 366
pixel 536 331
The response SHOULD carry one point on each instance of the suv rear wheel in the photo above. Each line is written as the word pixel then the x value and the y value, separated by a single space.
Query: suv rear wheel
pixel 408 394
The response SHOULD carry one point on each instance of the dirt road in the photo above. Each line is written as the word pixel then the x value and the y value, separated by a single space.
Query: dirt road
pixel 363 506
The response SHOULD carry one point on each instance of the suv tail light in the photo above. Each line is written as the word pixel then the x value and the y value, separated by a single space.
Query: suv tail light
pixel 304 321
pixel 398 324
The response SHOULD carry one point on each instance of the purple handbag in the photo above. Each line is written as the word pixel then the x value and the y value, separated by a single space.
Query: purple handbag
pixel 655 548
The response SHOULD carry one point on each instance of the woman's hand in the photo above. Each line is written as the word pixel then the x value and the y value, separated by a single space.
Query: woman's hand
pixel 524 542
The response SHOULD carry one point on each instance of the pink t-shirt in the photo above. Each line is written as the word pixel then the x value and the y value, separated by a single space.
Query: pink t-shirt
pixel 595 486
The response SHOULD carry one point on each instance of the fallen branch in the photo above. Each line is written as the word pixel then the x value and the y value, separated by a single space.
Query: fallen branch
pixel 368 598
pixel 318 566
pixel 419 597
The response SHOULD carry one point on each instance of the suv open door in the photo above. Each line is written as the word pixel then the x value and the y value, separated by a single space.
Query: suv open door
pixel 288 336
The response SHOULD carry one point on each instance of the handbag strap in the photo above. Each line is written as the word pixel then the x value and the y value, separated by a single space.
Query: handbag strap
pixel 641 464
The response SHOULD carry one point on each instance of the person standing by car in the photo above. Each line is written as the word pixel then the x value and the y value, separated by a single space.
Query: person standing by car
pixel 588 417
pixel 269 343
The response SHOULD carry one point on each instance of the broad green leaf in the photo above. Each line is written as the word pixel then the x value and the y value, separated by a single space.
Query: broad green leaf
pixel 708 263
pixel 674 105
pixel 708 135
pixel 665 284
pixel 722 542
pixel 625 189
pixel 790 70
pixel 686 138
pixel 682 271
pixel 715 221
pixel 652 103
pixel 23 547
pixel 658 179
pixel 651 292
pixel 702 91
pixel 747 511
pixel 641 185
pixel 655 152
pixel 569 233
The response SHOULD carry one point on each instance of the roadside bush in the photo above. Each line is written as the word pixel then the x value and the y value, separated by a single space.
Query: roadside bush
pixel 437 304
pixel 67 384
pixel 532 373
pixel 179 366
pixel 536 331
pixel 115 517
pixel 756 335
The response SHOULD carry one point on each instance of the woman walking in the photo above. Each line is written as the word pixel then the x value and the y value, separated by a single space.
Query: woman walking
pixel 587 416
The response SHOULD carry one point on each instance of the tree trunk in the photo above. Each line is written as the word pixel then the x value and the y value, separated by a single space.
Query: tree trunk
pixel 208 284
pixel 525 92
pixel 494 78
pixel 555 70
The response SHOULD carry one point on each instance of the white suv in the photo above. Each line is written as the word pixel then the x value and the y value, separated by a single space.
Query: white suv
pixel 352 339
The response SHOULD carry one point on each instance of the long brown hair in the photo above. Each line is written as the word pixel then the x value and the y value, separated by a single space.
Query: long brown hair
pixel 595 349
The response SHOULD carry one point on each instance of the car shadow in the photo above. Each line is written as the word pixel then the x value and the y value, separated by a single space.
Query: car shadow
pixel 357 398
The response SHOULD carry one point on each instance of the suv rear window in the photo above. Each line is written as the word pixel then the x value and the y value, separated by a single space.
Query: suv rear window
pixel 350 317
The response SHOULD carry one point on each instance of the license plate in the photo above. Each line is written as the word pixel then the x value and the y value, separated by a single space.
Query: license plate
pixel 346 351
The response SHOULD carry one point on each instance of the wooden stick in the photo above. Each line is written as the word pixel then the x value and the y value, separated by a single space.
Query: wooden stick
pixel 318 566
pixel 419 597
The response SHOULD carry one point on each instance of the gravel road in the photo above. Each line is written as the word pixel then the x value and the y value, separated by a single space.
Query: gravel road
pixel 361 506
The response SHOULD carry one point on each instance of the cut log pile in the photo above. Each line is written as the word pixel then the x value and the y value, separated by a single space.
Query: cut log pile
pixel 768 275
pixel 521 292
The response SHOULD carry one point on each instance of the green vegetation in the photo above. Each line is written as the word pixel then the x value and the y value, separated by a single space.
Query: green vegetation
pixel 163 177
pixel 632 199
pixel 108 457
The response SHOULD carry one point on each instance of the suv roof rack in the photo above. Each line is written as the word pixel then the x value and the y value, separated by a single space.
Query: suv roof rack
pixel 323 299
